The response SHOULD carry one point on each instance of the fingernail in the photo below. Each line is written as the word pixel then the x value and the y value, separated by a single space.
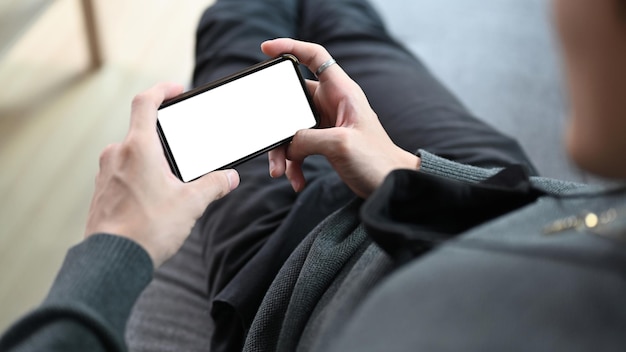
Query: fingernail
pixel 272 167
pixel 233 179
pixel 296 186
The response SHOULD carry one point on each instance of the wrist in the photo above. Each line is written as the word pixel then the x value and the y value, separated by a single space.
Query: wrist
pixel 131 234
pixel 410 161
pixel 400 159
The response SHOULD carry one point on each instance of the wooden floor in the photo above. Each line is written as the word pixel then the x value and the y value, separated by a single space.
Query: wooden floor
pixel 55 118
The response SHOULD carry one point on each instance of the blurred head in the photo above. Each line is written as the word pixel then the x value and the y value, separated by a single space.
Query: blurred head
pixel 593 36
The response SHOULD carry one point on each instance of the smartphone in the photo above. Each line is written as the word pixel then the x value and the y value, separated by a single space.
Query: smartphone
pixel 235 119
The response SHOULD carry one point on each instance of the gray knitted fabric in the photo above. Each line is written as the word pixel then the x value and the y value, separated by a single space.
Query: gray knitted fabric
pixel 303 280
pixel 435 165
pixel 342 298
pixel 89 303
pixel 333 270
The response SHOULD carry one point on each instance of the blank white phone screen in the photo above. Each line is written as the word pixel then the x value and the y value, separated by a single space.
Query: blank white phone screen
pixel 232 121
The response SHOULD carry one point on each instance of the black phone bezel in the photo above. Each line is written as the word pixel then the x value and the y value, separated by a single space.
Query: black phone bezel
pixel 204 88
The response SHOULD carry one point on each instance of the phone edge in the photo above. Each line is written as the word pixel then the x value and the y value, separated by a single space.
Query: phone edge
pixel 220 82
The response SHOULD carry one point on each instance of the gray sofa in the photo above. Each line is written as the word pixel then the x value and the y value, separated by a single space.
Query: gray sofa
pixel 501 58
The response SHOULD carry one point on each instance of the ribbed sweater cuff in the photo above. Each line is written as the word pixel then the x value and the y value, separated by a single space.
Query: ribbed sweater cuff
pixel 102 277
pixel 435 165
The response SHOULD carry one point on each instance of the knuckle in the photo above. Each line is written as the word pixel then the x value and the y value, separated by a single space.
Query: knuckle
pixel 319 48
pixel 107 153
pixel 144 99
pixel 301 134
pixel 189 192
pixel 140 99
pixel 343 140
pixel 129 150
pixel 343 134
pixel 219 185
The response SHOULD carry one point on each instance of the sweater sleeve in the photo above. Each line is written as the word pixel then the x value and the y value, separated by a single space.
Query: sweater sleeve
pixel 89 302
pixel 435 165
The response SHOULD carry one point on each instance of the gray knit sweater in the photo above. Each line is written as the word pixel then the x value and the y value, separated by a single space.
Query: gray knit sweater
pixel 503 286
pixel 89 302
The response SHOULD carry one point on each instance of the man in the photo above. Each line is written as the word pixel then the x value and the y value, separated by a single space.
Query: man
pixel 428 297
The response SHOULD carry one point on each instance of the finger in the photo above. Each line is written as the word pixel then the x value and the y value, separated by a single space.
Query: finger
pixel 310 54
pixel 216 185
pixel 277 159
pixel 145 105
pixel 295 175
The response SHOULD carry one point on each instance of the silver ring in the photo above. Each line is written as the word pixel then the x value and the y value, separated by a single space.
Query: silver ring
pixel 324 66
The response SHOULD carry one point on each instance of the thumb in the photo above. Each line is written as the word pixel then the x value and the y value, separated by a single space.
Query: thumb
pixel 217 184
pixel 327 142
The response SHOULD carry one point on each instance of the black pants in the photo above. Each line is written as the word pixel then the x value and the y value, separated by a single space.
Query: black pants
pixel 414 108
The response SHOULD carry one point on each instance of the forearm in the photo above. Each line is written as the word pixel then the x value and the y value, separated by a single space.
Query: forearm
pixel 89 302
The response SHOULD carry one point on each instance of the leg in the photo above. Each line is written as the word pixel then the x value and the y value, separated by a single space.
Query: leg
pixel 416 110
pixel 231 31
pixel 172 314
pixel 228 39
